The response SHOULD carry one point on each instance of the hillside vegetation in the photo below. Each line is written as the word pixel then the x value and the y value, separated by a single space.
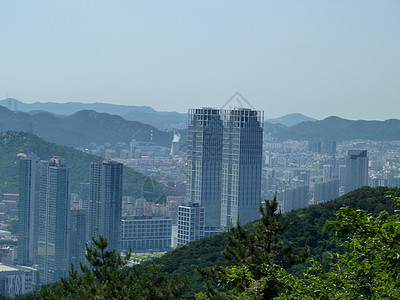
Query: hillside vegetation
pixel 13 143
pixel 306 229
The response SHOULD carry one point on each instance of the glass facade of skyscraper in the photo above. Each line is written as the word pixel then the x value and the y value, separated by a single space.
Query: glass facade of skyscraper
pixel 224 163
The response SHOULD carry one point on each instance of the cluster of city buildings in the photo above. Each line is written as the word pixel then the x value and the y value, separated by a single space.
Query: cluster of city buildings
pixel 303 172
pixel 52 232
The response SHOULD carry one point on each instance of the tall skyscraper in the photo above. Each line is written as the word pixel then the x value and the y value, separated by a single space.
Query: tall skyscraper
pixel 204 184
pixel 356 169
pixel 27 210
pixel 105 201
pixel 224 164
pixel 241 166
pixel 54 220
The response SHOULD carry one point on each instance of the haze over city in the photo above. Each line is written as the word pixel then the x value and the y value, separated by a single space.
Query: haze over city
pixel 311 57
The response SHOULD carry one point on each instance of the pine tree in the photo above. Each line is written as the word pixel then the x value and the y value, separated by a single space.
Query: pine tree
pixel 256 256
pixel 103 279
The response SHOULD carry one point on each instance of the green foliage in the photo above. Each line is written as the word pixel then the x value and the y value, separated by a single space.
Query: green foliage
pixel 12 143
pixel 368 267
pixel 256 256
pixel 32 295
pixel 306 229
pixel 102 279
pixel 205 252
pixel 307 223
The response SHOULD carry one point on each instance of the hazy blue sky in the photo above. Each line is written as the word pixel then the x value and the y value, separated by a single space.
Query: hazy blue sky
pixel 319 58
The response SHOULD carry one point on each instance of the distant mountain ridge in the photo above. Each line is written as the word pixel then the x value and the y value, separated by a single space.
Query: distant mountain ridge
pixel 335 128
pixel 291 119
pixel 68 130
pixel 82 128
pixel 143 114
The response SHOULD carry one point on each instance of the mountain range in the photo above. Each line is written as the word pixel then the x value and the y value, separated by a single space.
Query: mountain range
pixel 290 119
pixel 85 126
pixel 338 129
pixel 142 114
pixel 82 128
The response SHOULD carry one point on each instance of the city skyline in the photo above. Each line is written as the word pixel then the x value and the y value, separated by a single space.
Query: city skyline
pixel 310 57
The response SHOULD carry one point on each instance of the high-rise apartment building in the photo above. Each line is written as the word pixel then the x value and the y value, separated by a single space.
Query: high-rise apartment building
pixel 294 198
pixel 342 175
pixel 84 196
pixel 356 169
pixel 326 191
pixel 105 201
pixel 78 235
pixel 328 147
pixel 327 172
pixel 224 164
pixel 27 210
pixel 54 220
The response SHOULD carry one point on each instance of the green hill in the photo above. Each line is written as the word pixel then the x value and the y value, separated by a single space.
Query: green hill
pixel 306 228
pixel 82 128
pixel 12 143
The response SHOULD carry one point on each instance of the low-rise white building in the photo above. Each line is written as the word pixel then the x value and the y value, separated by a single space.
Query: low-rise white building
pixel 17 280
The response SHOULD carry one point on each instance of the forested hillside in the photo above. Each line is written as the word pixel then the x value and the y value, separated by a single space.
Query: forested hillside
pixel 82 128
pixel 306 229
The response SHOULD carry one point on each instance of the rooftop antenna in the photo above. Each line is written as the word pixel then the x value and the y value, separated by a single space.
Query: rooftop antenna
pixel 238 97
